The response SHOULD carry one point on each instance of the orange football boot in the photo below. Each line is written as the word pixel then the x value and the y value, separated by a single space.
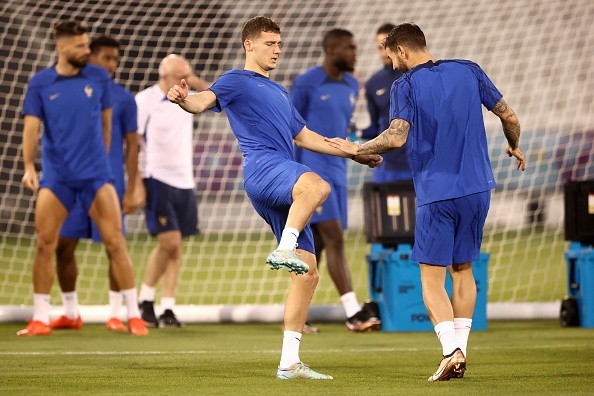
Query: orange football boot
pixel 114 324
pixel 35 328
pixel 65 323
pixel 137 327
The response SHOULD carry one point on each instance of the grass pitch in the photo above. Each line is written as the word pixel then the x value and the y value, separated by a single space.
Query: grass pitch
pixel 532 357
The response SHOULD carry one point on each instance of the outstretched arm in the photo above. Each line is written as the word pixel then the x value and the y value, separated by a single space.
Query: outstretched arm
pixel 313 141
pixel 511 130
pixel 393 137
pixel 194 103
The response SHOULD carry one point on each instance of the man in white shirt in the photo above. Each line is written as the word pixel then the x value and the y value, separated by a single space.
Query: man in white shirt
pixel 166 167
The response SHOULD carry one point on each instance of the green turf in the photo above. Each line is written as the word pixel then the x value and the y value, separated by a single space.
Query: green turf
pixel 534 272
pixel 535 357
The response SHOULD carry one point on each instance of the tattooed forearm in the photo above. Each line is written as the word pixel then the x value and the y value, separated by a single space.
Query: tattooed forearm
pixel 510 123
pixel 511 130
pixel 393 137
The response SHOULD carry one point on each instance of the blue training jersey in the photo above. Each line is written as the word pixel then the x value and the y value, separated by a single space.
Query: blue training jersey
pixel 448 144
pixel 377 94
pixel 124 121
pixel 327 106
pixel 72 144
pixel 260 113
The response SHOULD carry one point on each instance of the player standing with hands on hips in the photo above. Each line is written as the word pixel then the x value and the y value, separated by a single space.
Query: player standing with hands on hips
pixel 283 192
pixel 436 107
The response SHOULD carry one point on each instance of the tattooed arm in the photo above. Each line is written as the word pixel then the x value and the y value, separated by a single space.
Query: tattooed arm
pixel 511 130
pixel 510 122
pixel 393 137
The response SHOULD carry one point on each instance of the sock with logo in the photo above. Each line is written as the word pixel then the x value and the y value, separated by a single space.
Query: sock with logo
pixel 290 351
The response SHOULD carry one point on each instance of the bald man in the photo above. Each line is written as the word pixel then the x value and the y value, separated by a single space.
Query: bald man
pixel 165 163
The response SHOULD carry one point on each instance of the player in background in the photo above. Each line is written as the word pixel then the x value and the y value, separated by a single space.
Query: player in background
pixel 72 100
pixel 377 93
pixel 437 106
pixel 282 191
pixel 326 96
pixel 105 52
pixel 167 168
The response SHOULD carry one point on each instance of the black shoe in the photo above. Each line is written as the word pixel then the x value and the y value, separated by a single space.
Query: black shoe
pixel 147 313
pixel 168 319
pixel 371 308
pixel 362 321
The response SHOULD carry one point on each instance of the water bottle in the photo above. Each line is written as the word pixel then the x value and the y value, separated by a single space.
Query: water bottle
pixel 352 134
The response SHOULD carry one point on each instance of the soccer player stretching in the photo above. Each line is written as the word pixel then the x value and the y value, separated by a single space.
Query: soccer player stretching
pixel 73 102
pixel 438 103
pixel 284 192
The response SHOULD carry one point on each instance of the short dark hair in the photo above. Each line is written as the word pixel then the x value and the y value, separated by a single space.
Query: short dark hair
pixel 335 34
pixel 407 34
pixel 103 41
pixel 68 28
pixel 256 25
pixel 385 28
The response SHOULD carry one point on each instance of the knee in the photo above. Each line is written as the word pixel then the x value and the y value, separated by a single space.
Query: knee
pixel 45 243
pixel 64 253
pixel 311 278
pixel 334 241
pixel 323 190
pixel 171 246
pixel 113 243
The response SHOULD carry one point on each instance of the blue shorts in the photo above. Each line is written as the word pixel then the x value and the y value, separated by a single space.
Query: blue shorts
pixel 170 209
pixel 269 183
pixel 79 225
pixel 334 208
pixel 69 192
pixel 451 231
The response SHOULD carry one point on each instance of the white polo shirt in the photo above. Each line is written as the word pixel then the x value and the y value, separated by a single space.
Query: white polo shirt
pixel 167 147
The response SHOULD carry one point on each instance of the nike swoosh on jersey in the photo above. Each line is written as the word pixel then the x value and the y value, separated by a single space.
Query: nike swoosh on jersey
pixel 54 96
pixel 380 92
pixel 325 97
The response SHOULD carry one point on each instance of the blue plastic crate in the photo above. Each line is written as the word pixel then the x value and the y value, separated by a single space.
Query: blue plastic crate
pixel 580 281
pixel 395 284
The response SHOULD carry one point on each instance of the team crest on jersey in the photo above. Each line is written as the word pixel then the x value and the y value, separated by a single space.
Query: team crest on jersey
pixel 352 99
pixel 163 220
pixel 88 91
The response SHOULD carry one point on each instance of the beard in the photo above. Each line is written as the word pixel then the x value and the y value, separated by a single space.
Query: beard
pixel 400 66
pixel 79 63
pixel 344 66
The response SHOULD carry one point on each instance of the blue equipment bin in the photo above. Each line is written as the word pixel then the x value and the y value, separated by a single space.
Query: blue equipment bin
pixel 395 284
pixel 580 281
